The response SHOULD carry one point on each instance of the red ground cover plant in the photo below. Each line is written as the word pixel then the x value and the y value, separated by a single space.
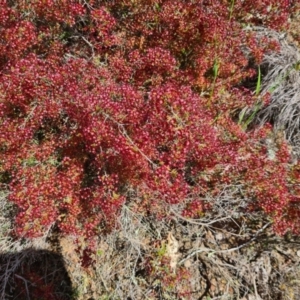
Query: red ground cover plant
pixel 101 99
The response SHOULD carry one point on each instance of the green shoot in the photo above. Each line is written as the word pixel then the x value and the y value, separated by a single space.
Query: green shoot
pixel 231 9
pixel 245 123
pixel 258 84
pixel 252 116
pixel 216 68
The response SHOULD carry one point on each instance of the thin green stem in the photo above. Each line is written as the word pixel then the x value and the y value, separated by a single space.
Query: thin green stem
pixel 258 83
pixel 216 68
pixel 245 123
pixel 231 9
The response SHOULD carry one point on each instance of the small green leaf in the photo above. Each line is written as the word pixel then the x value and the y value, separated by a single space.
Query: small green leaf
pixel 99 252
pixel 162 250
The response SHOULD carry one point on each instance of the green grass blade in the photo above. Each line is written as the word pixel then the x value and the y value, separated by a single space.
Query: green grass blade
pixel 258 84
pixel 231 9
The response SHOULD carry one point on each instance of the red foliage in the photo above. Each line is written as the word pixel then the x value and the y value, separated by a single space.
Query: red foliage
pixel 98 100
pixel 38 289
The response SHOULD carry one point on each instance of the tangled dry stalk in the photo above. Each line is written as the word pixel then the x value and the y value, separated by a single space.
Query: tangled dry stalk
pixel 227 254
pixel 281 80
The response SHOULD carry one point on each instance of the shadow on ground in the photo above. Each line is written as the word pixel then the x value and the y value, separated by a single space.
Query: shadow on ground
pixel 34 275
